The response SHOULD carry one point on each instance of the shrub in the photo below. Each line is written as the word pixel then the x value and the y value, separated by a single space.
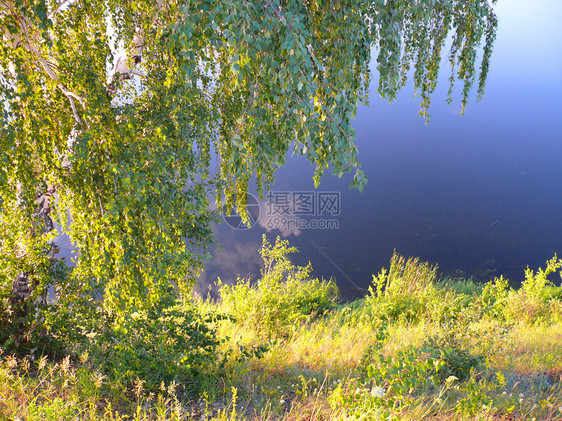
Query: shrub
pixel 165 342
pixel 162 344
pixel 522 308
pixel 445 305
pixel 399 307
pixel 494 297
pixel 389 385
pixel 533 302
pixel 453 348
pixel 535 283
pixel 23 330
pixel 405 276
pixel 283 297
pixel 551 293
pixel 402 291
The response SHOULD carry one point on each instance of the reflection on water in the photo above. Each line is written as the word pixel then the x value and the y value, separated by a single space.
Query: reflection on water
pixel 480 194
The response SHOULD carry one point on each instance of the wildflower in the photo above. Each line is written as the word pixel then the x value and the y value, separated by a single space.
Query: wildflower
pixel 65 365
pixel 378 392
pixel 11 362
pixel 504 393
pixel 172 387
pixel 97 379
pixel 42 362
pixel 282 401
pixel 521 395
pixel 138 386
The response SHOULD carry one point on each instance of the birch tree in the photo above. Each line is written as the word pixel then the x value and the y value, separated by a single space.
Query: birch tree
pixel 122 121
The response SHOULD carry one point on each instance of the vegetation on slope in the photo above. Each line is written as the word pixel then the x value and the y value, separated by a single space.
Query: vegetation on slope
pixel 415 347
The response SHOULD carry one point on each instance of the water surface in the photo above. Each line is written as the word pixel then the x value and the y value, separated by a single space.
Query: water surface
pixel 480 195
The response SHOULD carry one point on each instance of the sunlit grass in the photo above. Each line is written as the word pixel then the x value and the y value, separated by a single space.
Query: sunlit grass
pixel 536 348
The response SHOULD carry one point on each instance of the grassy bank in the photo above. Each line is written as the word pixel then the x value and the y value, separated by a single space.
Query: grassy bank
pixel 416 347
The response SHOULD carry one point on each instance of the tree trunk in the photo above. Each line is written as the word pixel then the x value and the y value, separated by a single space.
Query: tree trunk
pixel 21 296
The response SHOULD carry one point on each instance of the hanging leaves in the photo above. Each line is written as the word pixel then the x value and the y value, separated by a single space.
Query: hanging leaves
pixel 136 113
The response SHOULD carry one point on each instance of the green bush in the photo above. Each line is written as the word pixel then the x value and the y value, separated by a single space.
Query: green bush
pixel 494 297
pixel 161 344
pixel 398 307
pixel 389 385
pixel 283 297
pixel 522 308
pixel 535 283
pixel 551 293
pixel 453 348
pixel 166 342
pixel 402 292
pixel 537 297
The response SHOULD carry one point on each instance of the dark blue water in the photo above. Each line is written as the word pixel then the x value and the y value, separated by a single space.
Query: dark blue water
pixel 480 195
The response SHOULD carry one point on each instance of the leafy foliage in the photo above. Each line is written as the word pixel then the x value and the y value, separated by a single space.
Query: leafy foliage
pixel 283 297
pixel 535 283
pixel 453 349
pixel 494 296
pixel 159 346
pixel 390 385
pixel 165 343
pixel 403 291
pixel 122 159
pixel 26 332
pixel 537 301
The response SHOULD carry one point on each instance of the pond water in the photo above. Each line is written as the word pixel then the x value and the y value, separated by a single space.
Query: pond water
pixel 480 195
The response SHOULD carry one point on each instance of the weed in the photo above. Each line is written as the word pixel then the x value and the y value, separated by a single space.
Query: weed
pixel 282 298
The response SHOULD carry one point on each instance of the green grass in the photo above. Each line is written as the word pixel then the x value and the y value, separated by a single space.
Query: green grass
pixel 415 348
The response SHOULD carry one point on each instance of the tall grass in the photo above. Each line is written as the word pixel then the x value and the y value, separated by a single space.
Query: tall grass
pixel 406 276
